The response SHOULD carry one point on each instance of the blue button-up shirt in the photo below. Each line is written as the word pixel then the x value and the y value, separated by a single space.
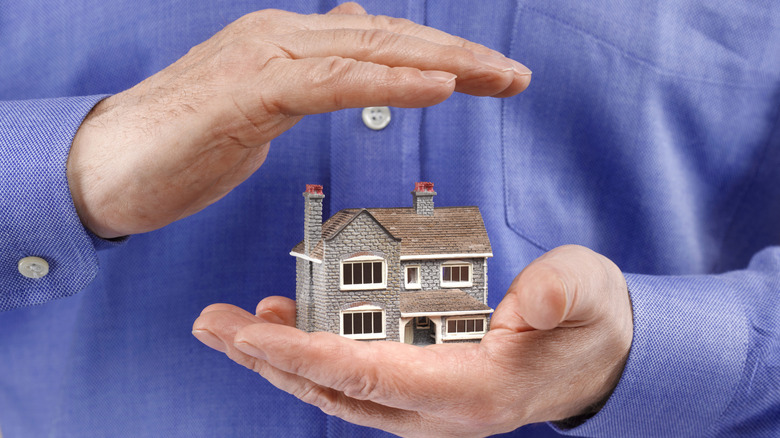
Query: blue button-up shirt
pixel 649 134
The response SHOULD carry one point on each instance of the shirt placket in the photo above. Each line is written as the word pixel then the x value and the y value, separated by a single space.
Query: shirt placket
pixel 370 166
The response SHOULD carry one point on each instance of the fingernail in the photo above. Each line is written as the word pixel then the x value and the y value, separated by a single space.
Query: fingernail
pixel 520 69
pixel 439 76
pixel 567 307
pixel 250 349
pixel 498 63
pixel 270 316
pixel 209 339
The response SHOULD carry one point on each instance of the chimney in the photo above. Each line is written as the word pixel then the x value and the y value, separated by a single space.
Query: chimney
pixel 423 198
pixel 312 217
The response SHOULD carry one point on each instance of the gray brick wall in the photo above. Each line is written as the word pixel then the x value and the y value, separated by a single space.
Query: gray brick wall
pixel 312 221
pixel 430 276
pixel 423 203
pixel 303 295
pixel 362 235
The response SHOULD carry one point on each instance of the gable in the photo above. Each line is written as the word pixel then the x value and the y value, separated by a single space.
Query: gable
pixel 364 220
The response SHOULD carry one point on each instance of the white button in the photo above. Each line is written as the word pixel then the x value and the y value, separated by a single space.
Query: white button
pixel 33 267
pixel 376 117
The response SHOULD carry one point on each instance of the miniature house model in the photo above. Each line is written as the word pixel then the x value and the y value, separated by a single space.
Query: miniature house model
pixel 415 274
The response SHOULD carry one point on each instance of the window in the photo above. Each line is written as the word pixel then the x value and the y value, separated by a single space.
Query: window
pixel 365 322
pixel 465 327
pixel 413 277
pixel 456 275
pixel 363 273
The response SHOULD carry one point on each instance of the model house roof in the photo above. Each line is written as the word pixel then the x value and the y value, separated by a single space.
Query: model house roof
pixel 449 231
pixel 443 301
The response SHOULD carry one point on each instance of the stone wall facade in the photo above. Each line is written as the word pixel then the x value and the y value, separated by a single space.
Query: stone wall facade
pixel 430 276
pixel 304 300
pixel 362 237
pixel 312 220
pixel 321 300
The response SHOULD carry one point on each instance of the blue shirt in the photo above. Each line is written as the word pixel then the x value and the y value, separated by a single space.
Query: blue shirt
pixel 649 134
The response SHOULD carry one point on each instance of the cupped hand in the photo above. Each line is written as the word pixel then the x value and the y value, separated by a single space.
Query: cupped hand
pixel 183 138
pixel 556 349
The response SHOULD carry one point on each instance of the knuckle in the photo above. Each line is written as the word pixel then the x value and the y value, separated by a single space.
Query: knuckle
pixel 248 362
pixel 247 22
pixel 361 387
pixel 318 396
pixel 573 249
pixel 264 16
pixel 351 8
pixel 265 21
pixel 393 23
pixel 374 39
pixel 333 73
pixel 336 68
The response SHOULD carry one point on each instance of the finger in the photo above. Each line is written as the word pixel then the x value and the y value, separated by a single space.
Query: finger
pixel 392 24
pixel 332 402
pixel 569 286
pixel 477 73
pixel 348 8
pixel 403 26
pixel 223 307
pixel 389 373
pixel 283 308
pixel 218 323
pixel 217 327
pixel 519 84
pixel 333 83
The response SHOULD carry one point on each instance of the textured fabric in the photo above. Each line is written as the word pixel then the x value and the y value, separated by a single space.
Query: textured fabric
pixel 649 134
pixel 37 217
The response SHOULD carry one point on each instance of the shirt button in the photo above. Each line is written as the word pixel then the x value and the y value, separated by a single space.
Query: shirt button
pixel 376 117
pixel 33 267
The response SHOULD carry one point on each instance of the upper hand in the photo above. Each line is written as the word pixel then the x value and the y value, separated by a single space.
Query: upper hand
pixel 183 138
pixel 556 348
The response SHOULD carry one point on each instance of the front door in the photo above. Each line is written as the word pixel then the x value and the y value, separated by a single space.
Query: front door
pixel 409 333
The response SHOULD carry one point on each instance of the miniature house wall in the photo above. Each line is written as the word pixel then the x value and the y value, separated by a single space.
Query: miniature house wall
pixel 410 274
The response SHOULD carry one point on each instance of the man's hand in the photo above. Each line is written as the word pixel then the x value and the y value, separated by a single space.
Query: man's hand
pixel 556 349
pixel 183 138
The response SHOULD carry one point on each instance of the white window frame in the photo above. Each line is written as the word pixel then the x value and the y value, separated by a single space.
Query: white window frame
pixel 364 286
pixel 417 285
pixel 363 309
pixel 461 283
pixel 464 335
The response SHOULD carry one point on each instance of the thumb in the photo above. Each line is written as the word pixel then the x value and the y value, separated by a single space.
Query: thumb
pixel 570 286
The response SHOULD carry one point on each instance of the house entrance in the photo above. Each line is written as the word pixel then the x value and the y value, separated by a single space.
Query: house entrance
pixel 420 331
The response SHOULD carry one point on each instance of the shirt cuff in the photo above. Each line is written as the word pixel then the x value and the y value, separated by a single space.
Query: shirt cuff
pixel 37 215
pixel 690 343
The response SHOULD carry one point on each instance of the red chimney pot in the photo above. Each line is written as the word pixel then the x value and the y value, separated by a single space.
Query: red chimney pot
pixel 314 188
pixel 423 187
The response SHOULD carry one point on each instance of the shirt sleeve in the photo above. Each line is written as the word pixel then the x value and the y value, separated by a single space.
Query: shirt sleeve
pixel 37 215
pixel 705 357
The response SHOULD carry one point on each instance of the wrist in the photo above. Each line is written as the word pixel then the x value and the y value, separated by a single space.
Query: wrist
pixel 81 166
